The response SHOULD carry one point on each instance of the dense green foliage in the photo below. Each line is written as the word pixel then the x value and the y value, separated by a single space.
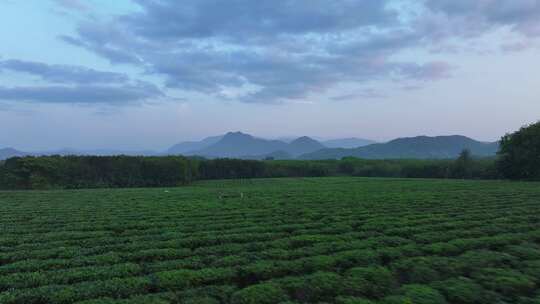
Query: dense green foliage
pixel 95 171
pixel 520 154
pixel 75 172
pixel 307 240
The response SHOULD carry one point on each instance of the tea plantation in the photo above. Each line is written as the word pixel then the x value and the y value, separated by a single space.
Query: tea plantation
pixel 304 240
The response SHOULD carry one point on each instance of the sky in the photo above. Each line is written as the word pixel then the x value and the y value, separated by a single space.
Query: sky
pixel 146 74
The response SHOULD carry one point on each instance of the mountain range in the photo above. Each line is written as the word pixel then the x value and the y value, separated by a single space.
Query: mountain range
pixel 241 145
pixel 420 147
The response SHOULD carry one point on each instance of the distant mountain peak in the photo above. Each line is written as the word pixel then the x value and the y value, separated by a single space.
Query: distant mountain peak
pixel 304 139
pixel 239 144
pixel 303 145
pixel 238 134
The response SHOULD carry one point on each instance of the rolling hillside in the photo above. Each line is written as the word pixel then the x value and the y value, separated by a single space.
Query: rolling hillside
pixel 421 147
pixel 348 143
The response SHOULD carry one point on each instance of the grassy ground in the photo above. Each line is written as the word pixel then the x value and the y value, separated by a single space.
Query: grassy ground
pixel 331 240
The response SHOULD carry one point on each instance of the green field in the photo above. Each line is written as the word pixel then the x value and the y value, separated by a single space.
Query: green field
pixel 311 240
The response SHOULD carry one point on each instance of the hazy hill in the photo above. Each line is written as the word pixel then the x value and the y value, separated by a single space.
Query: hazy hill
pixel 303 145
pixel 421 147
pixel 10 152
pixel 348 143
pixel 241 145
pixel 238 144
pixel 189 147
pixel 98 152
pixel 289 147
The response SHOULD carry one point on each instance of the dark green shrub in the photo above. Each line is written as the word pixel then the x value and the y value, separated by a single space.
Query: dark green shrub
pixel 142 299
pixel 373 282
pixel 321 286
pixel 266 293
pixel 461 290
pixel 117 288
pixel 445 249
pixel 318 263
pixel 532 268
pixel 478 259
pixel 507 282
pixel 260 271
pixel 526 251
pixel 416 270
pixel 200 300
pixel 396 300
pixel 182 279
pixel 175 279
pixel 356 258
pixel 421 294
pixel 353 300
pixel 210 293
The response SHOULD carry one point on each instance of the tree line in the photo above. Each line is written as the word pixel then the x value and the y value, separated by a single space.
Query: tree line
pixel 75 172
pixel 518 158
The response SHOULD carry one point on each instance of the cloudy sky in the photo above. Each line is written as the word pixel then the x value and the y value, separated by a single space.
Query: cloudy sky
pixel 145 74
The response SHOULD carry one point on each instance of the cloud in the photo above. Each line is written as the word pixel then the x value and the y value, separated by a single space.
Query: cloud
pixel 513 47
pixel 97 43
pixel 77 5
pixel 82 94
pixel 286 49
pixel 290 50
pixel 467 17
pixel 363 94
pixel 62 73
pixel 240 19
pixel 430 71
pixel 75 85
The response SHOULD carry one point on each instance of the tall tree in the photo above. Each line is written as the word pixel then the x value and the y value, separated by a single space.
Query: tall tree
pixel 519 155
pixel 462 167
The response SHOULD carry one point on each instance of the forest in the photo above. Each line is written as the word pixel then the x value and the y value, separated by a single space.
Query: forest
pixel 77 172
